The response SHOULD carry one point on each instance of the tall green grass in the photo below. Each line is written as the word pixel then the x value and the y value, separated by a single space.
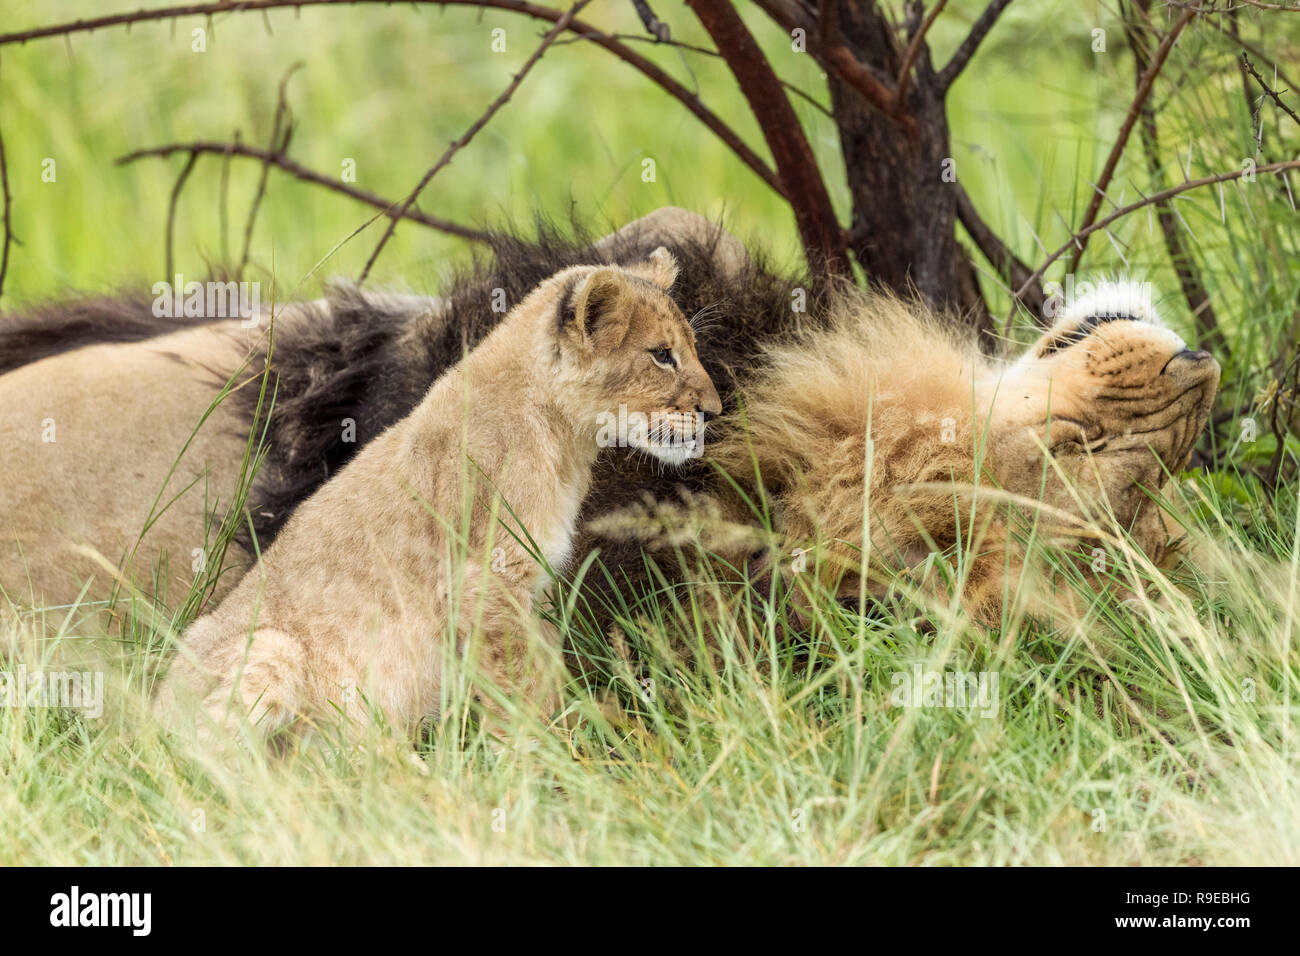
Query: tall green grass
pixel 1161 734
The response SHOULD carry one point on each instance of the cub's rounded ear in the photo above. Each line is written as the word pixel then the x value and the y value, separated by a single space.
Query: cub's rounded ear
pixel 598 315
pixel 660 268
pixel 663 268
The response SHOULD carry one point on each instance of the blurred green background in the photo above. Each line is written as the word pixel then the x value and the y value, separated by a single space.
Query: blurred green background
pixel 1032 119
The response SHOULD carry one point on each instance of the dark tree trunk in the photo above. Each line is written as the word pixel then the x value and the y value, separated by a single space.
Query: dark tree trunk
pixel 903 230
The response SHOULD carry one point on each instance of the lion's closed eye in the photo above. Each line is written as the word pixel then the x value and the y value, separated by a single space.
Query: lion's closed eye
pixel 1067 436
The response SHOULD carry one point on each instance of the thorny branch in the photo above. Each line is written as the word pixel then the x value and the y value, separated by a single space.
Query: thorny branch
pixel 386 206
pixel 702 51
pixel 457 145
pixel 1234 35
pixel 1268 90
pixel 1133 207
pixel 1112 161
pixel 1184 263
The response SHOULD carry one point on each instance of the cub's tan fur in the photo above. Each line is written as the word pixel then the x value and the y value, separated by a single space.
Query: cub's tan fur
pixel 1091 418
pixel 426 535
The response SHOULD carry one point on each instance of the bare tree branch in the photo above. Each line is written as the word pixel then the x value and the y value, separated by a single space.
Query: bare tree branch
pixel 1213 7
pixel 386 206
pixel 822 236
pixel 1132 207
pixel 654 26
pixel 1184 263
pixel 702 51
pixel 789 14
pixel 281 134
pixel 168 262
pixel 457 145
pixel 913 51
pixel 859 76
pixel 978 31
pixel 1112 161
pixel 873 86
pixel 8 215
pixel 1235 36
pixel 1268 90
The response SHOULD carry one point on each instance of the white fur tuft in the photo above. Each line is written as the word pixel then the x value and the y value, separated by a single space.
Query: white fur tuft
pixel 1106 297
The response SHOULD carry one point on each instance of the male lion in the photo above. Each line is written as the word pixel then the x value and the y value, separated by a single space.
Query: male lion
pixel 889 414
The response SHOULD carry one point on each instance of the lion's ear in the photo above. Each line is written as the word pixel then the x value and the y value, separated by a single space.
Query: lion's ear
pixel 660 268
pixel 597 313
pixel 665 268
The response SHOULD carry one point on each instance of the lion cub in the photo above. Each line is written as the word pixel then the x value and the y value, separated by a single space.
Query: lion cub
pixel 434 531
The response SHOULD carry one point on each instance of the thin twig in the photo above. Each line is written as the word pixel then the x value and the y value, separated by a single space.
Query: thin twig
pixel 171 212
pixel 1233 34
pixel 978 31
pixel 913 51
pixel 1112 161
pixel 1213 7
pixel 457 145
pixel 387 206
pixel 1269 91
pixel 654 26
pixel 8 215
pixel 1184 263
pixel 538 12
pixel 281 134
pixel 703 51
pixel 223 207
pixel 1123 211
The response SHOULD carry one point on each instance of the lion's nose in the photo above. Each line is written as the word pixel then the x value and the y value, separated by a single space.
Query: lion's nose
pixel 1188 357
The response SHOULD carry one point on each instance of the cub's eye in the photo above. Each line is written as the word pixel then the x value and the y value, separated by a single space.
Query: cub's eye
pixel 663 357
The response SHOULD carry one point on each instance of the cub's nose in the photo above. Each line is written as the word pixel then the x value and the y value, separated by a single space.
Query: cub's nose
pixel 708 402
